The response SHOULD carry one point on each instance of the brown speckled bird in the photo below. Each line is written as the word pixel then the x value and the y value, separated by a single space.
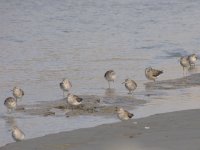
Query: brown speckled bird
pixel 152 74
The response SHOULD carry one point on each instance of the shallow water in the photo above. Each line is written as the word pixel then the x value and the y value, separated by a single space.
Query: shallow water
pixel 43 41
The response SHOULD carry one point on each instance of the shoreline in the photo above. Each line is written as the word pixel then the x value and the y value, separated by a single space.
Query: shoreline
pixel 53 117
pixel 93 106
pixel 160 131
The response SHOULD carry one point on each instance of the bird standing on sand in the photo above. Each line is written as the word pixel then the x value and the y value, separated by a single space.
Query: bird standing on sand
pixel 110 75
pixel 130 85
pixel 192 59
pixel 152 74
pixel 124 114
pixel 10 103
pixel 18 93
pixel 74 100
pixel 184 61
pixel 65 85
pixel 17 134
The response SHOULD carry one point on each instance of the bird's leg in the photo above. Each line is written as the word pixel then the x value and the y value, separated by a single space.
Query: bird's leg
pixel 186 72
pixel 109 84
pixel 183 71
pixel 12 109
pixel 63 94
pixel 65 107
pixel 9 111
pixel 72 108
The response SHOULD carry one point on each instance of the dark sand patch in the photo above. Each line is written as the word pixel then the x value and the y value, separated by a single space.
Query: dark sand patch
pixel 92 105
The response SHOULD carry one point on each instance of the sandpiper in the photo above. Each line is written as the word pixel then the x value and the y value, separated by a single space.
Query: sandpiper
pixel 17 134
pixel 130 85
pixel 110 75
pixel 18 93
pixel 184 61
pixel 10 103
pixel 65 85
pixel 73 100
pixel 152 74
pixel 124 114
pixel 192 59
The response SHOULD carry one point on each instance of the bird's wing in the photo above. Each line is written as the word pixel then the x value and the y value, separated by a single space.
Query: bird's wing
pixel 156 73
pixel 78 98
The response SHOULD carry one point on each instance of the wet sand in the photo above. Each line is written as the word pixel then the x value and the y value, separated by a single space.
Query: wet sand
pixel 169 131
pixel 91 105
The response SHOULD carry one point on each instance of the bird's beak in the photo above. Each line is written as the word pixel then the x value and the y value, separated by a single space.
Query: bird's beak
pixel 123 82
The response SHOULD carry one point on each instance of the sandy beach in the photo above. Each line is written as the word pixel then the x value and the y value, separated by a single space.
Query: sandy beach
pixel 169 131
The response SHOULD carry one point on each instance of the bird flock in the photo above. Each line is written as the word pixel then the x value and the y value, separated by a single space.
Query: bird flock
pixel 188 61
pixel 74 100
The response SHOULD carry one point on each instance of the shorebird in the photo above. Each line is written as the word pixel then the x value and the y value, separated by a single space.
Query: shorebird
pixel 110 75
pixel 130 85
pixel 17 93
pixel 124 114
pixel 152 74
pixel 192 59
pixel 73 100
pixel 10 103
pixel 17 134
pixel 184 61
pixel 65 85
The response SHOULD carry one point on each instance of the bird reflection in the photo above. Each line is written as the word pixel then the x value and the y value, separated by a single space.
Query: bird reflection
pixel 150 86
pixel 10 121
pixel 193 69
pixel 110 92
